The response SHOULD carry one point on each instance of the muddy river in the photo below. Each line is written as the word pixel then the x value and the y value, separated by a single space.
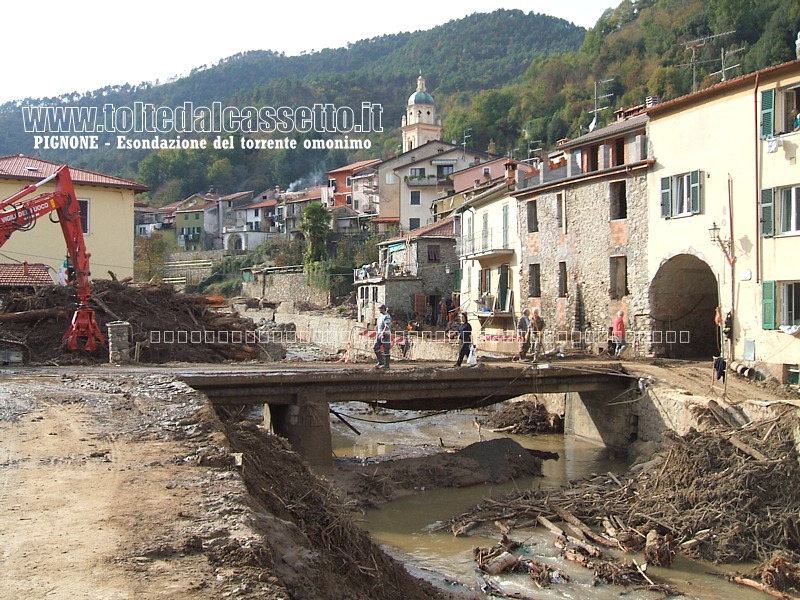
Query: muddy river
pixel 403 527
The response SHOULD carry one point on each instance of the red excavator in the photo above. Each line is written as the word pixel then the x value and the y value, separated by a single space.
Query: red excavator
pixel 17 214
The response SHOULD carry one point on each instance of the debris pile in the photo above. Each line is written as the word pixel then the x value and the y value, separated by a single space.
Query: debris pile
pixel 328 555
pixel 725 496
pixel 525 418
pixel 165 325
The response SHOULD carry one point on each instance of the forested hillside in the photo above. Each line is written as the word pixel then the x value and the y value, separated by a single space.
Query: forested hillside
pixel 510 79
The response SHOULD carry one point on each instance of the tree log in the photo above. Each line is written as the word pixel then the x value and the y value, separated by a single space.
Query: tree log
pixel 29 316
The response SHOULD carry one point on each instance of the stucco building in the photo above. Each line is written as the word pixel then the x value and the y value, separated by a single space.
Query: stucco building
pixel 106 204
pixel 725 219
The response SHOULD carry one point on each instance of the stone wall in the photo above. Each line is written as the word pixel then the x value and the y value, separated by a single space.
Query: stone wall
pixel 285 287
pixel 586 243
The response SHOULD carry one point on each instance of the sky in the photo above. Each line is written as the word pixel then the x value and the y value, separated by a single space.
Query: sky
pixel 53 48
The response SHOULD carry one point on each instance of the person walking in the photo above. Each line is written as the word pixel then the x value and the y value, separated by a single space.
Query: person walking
pixel 537 333
pixel 464 335
pixel 524 333
pixel 383 338
pixel 618 332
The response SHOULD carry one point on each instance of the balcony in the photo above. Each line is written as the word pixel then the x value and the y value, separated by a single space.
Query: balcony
pixel 489 242
pixel 426 181
pixel 376 272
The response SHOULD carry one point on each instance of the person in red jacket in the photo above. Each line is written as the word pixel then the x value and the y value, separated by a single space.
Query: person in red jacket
pixel 618 332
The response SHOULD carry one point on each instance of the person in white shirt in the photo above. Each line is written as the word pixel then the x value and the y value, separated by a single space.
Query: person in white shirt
pixel 383 338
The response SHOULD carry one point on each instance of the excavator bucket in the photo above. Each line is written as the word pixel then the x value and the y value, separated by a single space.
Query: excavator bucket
pixel 84 326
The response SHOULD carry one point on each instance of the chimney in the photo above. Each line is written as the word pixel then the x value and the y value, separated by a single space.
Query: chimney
pixel 25 270
pixel 511 169
pixel 652 101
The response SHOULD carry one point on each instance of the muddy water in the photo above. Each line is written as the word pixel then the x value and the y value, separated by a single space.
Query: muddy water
pixel 404 526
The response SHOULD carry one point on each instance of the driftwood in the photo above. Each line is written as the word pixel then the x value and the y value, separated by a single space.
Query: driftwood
pixel 568 517
pixel 590 550
pixel 760 586
pixel 659 549
pixel 29 316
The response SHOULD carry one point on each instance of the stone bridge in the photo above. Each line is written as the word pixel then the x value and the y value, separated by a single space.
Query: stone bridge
pixel 299 397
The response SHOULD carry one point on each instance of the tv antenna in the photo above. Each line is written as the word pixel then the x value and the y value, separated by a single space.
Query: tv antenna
pixel 467 135
pixel 723 68
pixel 597 97
pixel 693 45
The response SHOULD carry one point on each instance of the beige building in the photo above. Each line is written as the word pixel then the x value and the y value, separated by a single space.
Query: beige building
pixel 724 220
pixel 106 207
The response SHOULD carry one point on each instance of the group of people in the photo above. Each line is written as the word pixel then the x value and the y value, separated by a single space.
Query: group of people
pixel 530 331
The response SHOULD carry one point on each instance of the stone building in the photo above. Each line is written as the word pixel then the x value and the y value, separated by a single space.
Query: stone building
pixel 584 235
pixel 414 272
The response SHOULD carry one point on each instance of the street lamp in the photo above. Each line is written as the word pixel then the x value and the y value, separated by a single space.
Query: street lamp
pixel 725 245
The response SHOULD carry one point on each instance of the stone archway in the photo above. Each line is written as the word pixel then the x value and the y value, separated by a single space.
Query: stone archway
pixel 683 297
pixel 234 242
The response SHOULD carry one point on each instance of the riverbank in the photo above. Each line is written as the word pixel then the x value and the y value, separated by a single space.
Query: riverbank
pixel 130 486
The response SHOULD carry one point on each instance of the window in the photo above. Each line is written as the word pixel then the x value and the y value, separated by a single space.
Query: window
pixel 790 100
pixel 535 280
pixel 562 280
pixel 415 198
pixel 390 179
pixel 255 212
pixel 417 172
pixel 487 172
pixel 776 110
pixel 505 227
pixel 680 195
pixel 348 199
pixel 443 171
pixel 618 276
pixel 486 281
pixel 348 182
pixel 355 204
pixel 433 253
pixel 592 158
pixel 790 303
pixel 560 210
pixel 533 217
pixel 618 200
pixel 374 293
pixel 413 224
pixel 83 207
pixel 332 183
pixel 197 216
pixel 789 210
pixel 619 152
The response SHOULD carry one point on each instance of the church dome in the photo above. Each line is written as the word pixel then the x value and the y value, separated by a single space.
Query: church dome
pixel 421 96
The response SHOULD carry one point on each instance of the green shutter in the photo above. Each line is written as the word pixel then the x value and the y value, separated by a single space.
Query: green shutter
pixel 767 213
pixel 666 197
pixel 767 113
pixel 694 190
pixel 768 304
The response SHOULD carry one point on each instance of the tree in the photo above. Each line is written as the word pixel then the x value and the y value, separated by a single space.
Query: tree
pixel 315 224
pixel 150 255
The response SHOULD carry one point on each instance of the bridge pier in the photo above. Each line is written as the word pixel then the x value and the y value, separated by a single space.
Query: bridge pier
pixel 306 424
pixel 603 416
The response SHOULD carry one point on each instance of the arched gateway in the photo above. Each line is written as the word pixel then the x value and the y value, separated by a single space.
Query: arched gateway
pixel 683 297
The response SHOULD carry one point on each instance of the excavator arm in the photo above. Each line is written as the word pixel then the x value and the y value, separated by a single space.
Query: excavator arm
pixel 17 214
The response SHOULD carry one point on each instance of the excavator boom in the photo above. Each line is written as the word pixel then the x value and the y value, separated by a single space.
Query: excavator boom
pixel 17 214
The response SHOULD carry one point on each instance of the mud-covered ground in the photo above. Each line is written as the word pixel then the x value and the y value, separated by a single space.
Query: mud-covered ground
pixel 131 487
